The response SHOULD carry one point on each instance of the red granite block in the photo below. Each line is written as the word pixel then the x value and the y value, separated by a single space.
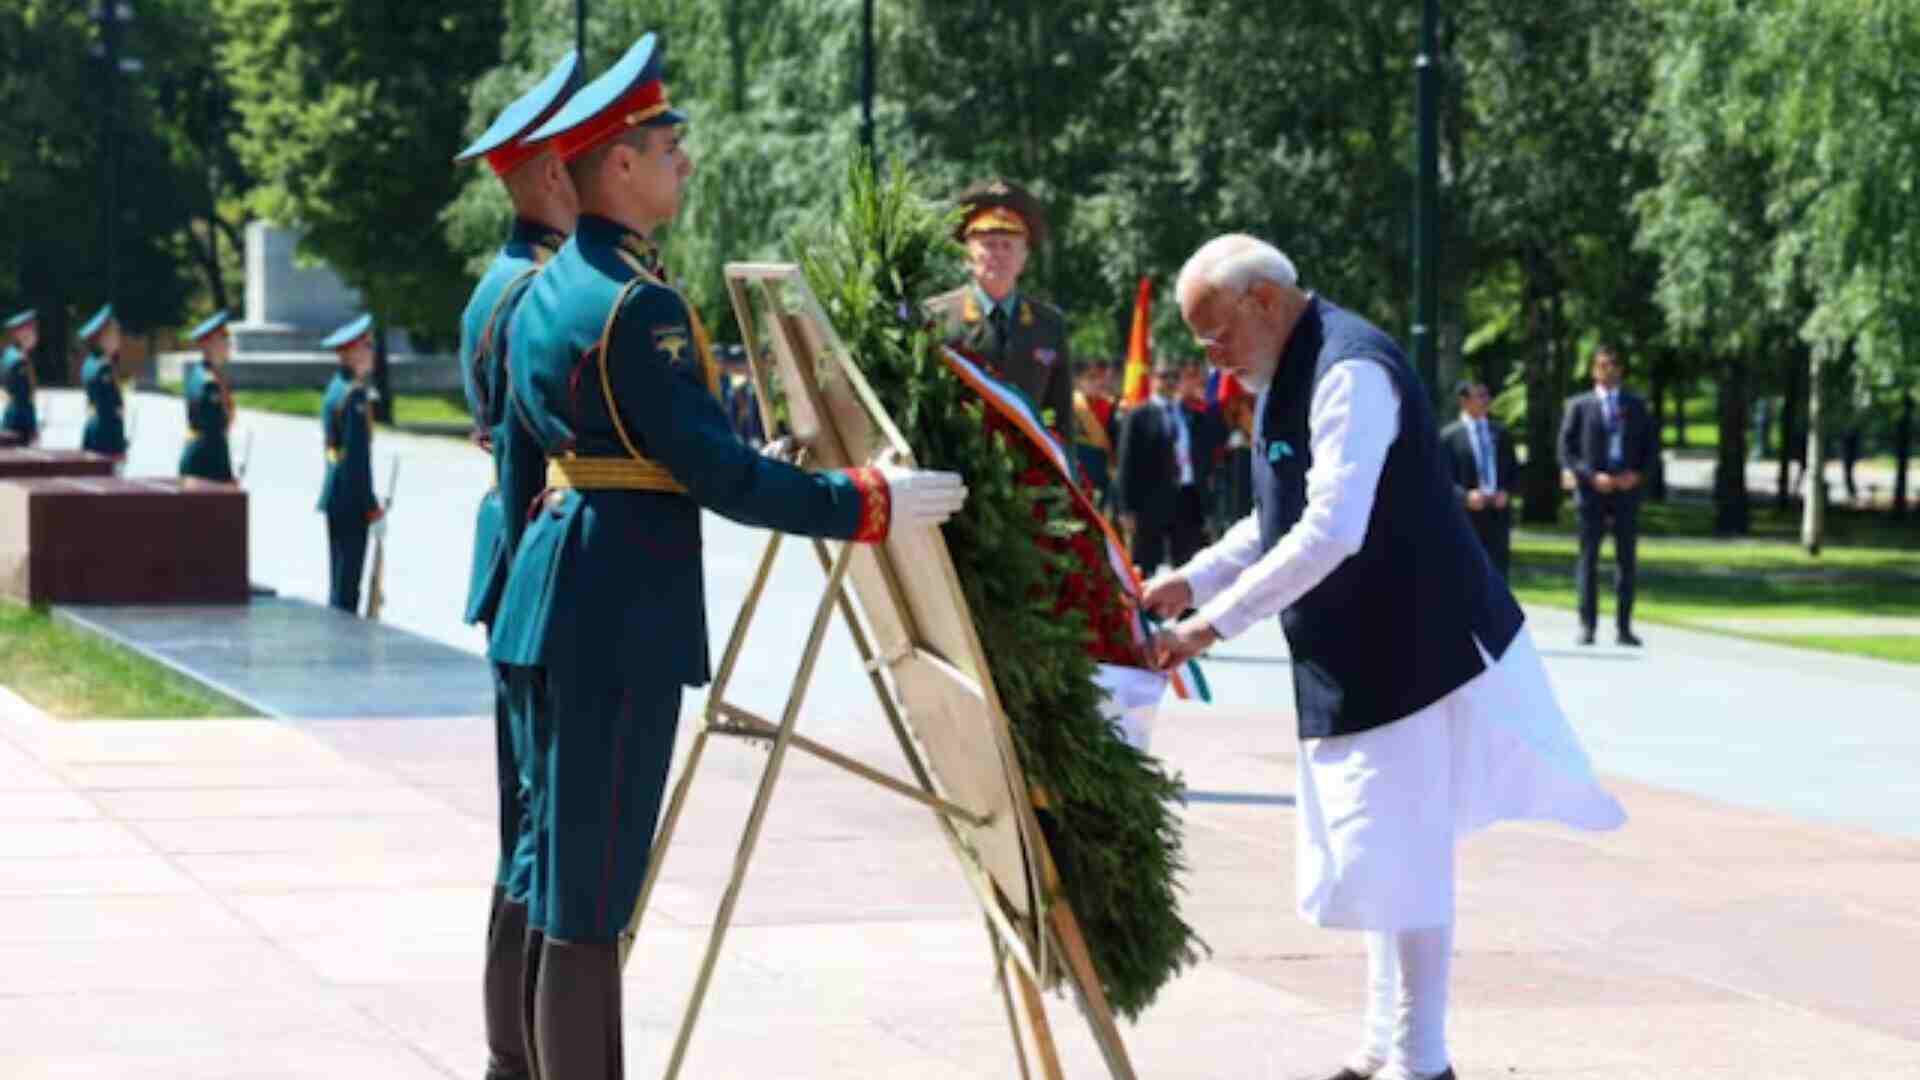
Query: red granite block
pixel 18 463
pixel 109 540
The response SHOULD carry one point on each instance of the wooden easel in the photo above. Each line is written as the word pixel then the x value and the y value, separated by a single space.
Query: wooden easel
pixel 1034 935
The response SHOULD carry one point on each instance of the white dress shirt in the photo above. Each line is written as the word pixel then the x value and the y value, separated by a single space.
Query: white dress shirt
pixel 1355 417
pixel 1482 435
pixel 1610 415
pixel 1182 439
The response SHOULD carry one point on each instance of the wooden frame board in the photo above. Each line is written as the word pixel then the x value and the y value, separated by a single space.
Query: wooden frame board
pixel 928 670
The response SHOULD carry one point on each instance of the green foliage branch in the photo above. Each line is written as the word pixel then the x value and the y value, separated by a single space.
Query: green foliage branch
pixel 1111 816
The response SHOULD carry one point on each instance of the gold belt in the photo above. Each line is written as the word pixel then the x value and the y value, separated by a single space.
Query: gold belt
pixel 611 474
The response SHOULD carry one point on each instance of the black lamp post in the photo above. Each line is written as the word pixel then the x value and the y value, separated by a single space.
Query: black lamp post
pixel 866 79
pixel 1426 202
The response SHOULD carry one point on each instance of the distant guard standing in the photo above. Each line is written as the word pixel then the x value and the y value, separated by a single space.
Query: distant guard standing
pixel 209 398
pixel 1022 339
pixel 1485 469
pixel 1608 443
pixel 545 208
pixel 106 428
pixel 346 492
pixel 604 615
pixel 22 416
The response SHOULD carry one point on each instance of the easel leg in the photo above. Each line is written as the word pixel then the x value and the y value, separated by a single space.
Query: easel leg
pixel 1034 1009
pixel 1002 960
pixel 1073 947
pixel 761 800
pixel 663 838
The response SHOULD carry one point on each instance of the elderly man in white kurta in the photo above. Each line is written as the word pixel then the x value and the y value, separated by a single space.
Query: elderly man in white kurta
pixel 1424 711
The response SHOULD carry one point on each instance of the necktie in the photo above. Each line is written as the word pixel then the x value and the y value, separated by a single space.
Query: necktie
pixel 1487 480
pixel 999 321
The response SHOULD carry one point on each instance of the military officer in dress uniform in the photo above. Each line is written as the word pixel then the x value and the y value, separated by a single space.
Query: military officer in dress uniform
pixel 209 398
pixel 346 492
pixel 604 619
pixel 106 428
pixel 545 207
pixel 22 417
pixel 1022 339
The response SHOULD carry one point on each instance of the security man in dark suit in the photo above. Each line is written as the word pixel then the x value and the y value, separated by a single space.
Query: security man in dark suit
pixel 603 620
pixel 209 399
pixel 346 490
pixel 106 427
pixel 1484 465
pixel 21 419
pixel 545 207
pixel 1158 489
pixel 1023 340
pixel 1607 443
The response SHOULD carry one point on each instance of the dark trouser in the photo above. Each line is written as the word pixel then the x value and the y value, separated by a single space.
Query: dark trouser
pixel 1189 524
pixel 1178 537
pixel 1620 514
pixel 1495 530
pixel 601 743
pixel 600 747
pixel 514 870
pixel 347 559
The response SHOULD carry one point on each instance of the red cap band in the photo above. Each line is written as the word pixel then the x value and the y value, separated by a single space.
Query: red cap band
pixel 642 104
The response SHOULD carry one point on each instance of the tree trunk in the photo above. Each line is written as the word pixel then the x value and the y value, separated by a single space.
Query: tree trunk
pixel 1813 521
pixel 1680 388
pixel 1730 511
pixel 382 380
pixel 1661 370
pixel 1546 385
pixel 1789 415
pixel 1902 451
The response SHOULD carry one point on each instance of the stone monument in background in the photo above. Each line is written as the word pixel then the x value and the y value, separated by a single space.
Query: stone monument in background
pixel 291 308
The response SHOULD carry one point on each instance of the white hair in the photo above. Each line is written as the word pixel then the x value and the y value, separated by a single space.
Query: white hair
pixel 1235 261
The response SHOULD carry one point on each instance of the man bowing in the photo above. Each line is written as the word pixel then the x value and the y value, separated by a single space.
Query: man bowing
pixel 1424 712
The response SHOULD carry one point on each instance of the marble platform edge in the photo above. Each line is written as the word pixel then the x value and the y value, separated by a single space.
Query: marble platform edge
pixel 77 616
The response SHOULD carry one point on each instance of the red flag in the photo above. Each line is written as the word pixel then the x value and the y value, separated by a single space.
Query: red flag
pixel 1138 383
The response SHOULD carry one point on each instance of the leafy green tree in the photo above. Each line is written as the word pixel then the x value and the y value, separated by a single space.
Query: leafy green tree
pixel 350 114
pixel 60 114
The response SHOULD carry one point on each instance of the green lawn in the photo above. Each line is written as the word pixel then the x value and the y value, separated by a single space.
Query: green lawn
pixel 1871 566
pixel 70 673
pixel 448 408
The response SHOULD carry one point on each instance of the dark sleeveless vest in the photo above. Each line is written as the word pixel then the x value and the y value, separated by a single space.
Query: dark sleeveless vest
pixel 1392 629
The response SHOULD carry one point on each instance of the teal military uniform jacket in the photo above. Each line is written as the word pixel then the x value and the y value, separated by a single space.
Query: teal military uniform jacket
pixel 207 454
pixel 518 463
pixel 346 491
pixel 16 377
pixel 106 428
pixel 1033 356
pixel 611 581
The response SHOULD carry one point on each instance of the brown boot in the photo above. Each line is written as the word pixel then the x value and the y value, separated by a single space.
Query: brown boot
pixel 501 990
pixel 532 949
pixel 577 1012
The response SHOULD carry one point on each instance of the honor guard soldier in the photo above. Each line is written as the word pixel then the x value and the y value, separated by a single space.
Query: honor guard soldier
pixel 106 427
pixel 22 418
pixel 604 616
pixel 346 494
pixel 209 398
pixel 545 207
pixel 1022 339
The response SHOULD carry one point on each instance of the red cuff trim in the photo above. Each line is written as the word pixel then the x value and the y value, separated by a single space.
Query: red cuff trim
pixel 876 505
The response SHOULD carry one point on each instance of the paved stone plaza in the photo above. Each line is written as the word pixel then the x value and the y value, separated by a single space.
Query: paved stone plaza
pixel 262 899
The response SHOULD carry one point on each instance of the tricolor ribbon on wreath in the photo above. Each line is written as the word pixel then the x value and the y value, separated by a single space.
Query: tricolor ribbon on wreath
pixel 1013 406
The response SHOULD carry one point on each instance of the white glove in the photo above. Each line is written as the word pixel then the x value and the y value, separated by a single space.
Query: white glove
pixel 923 498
